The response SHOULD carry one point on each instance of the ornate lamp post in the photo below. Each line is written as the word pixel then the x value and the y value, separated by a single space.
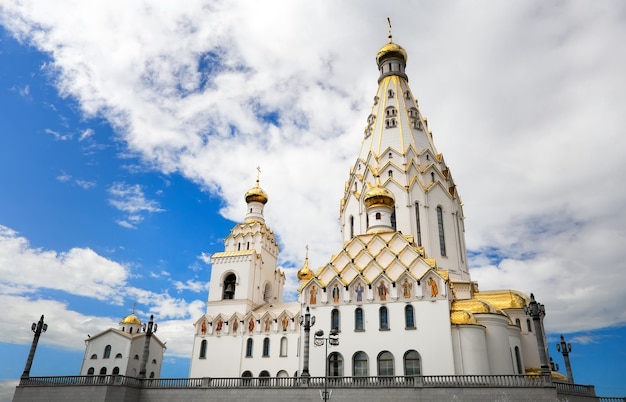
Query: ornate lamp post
pixel 333 340
pixel 537 311
pixel 37 328
pixel 307 322
pixel 149 329
pixel 565 348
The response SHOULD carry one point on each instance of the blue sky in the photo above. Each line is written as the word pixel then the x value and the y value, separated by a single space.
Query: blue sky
pixel 127 141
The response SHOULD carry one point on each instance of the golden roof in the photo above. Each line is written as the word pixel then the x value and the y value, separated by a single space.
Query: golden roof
pixel 391 49
pixel 131 319
pixel 556 376
pixel 504 299
pixel 475 306
pixel 379 195
pixel 257 194
pixel 462 317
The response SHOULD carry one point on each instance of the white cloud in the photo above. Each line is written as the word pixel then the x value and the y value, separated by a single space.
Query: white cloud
pixel 131 199
pixel 86 134
pixel 525 99
pixel 58 136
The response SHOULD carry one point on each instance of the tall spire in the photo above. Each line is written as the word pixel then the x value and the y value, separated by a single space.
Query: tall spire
pixel 398 153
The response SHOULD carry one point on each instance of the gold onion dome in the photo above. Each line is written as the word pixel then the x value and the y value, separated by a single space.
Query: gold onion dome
pixel 379 196
pixel 257 194
pixel 305 273
pixel 131 319
pixel 390 50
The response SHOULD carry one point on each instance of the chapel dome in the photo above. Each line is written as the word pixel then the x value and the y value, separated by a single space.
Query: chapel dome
pixel 131 319
pixel 305 273
pixel 391 49
pixel 379 196
pixel 256 194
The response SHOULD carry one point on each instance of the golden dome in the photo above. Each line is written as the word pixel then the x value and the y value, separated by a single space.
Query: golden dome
pixel 256 194
pixel 379 195
pixel 131 319
pixel 460 317
pixel 305 273
pixel 391 49
pixel 504 299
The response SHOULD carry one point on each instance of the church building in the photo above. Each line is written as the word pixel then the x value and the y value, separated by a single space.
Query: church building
pixel 398 294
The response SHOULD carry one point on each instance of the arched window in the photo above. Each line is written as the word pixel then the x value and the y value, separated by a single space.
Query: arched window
pixel 528 326
pixel 247 375
pixel 518 361
pixel 383 316
pixel 266 347
pixel 360 365
pixel 107 352
pixel 264 377
pixel 118 356
pixel 91 371
pixel 442 238
pixel 334 319
pixel 409 317
pixel 385 364
pixel 136 357
pixel 152 374
pixel 432 176
pixel 267 293
pixel 518 324
pixel 103 371
pixel 203 349
pixel 335 365
pixel 229 287
pixel 283 346
pixel 116 371
pixel 249 347
pixel 358 319
pixel 377 216
pixel 94 356
pixel 154 361
pixel 390 173
pixel 418 224
pixel 412 363
pixel 130 330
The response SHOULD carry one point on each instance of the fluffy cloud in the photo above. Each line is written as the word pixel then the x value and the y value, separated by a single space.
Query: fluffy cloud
pixel 524 98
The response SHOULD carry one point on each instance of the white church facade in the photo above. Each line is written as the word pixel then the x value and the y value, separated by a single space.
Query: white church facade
pixel 398 293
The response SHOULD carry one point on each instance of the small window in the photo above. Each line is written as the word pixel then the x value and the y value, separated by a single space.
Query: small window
pixel 383 315
pixel 351 226
pixel 266 347
pixel 528 326
pixel 391 173
pixel 358 319
pixel 103 371
pixel 334 319
pixel 136 357
pixel 154 361
pixel 107 352
pixel 283 346
pixel 432 176
pixel 390 155
pixel 249 347
pixel 116 371
pixel 152 374
pixel 229 285
pixel 130 330
pixel 203 349
pixel 94 356
pixel 378 216
pixel 91 371
pixel 442 238
pixel 409 317
pixel 118 356
pixel 518 324
pixel 390 93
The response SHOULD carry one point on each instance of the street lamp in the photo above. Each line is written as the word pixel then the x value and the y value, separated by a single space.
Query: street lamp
pixel 537 311
pixel 307 322
pixel 333 340
pixel 149 329
pixel 565 348
pixel 37 328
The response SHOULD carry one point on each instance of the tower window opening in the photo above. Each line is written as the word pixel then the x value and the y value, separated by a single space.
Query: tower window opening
pixel 407 94
pixel 238 246
pixel 518 361
pixel 377 216
pixel 229 287
pixel 432 176
pixel 250 210
pixel 390 155
pixel 351 226
pixel 391 173
pixel 427 157
pixel 442 238
pixel 355 188
pixel 390 93
pixel 393 219
pixel 248 247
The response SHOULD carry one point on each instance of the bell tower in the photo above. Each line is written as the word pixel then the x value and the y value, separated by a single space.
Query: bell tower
pixel 244 276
